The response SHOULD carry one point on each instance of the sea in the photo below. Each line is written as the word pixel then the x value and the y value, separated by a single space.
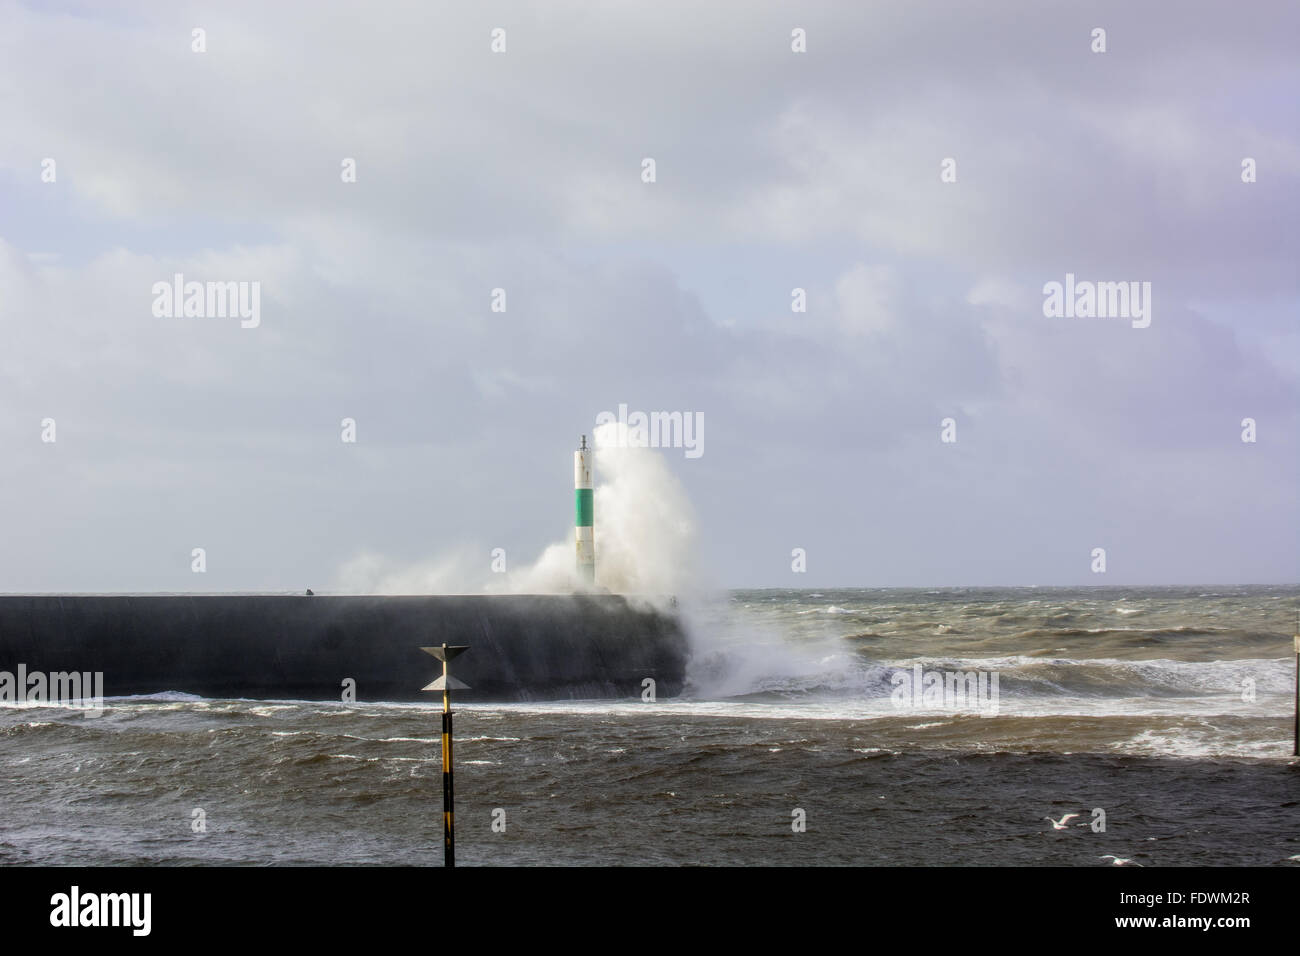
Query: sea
pixel 844 727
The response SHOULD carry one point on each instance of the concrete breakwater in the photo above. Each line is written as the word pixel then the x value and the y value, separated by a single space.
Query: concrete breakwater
pixel 523 647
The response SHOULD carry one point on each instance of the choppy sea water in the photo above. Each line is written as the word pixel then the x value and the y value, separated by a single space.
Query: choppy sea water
pixel 1167 709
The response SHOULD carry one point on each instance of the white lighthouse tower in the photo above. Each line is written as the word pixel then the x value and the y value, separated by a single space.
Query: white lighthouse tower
pixel 582 513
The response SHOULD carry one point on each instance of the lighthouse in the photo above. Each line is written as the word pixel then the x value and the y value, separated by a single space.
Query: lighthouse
pixel 585 547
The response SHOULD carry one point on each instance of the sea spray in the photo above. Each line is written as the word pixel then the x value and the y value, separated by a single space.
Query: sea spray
pixel 645 542
pixel 737 652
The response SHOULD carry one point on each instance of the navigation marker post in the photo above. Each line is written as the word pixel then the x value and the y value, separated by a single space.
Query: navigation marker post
pixel 446 683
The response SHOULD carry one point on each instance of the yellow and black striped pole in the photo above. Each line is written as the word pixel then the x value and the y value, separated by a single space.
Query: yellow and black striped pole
pixel 446 683
pixel 448 785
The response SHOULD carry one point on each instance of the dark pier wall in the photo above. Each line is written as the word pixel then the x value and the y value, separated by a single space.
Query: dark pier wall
pixel 522 647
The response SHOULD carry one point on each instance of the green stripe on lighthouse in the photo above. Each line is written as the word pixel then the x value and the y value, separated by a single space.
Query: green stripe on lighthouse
pixel 582 507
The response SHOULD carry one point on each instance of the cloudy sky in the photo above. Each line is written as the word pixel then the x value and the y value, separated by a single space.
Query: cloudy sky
pixel 774 170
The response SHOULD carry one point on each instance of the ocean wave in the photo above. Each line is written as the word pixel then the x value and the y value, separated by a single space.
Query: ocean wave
pixel 1031 677
pixel 1138 633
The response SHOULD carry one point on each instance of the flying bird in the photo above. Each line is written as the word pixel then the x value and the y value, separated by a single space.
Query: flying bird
pixel 1118 860
pixel 1061 824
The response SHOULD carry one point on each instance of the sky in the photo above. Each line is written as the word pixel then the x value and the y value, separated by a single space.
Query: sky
pixel 523 169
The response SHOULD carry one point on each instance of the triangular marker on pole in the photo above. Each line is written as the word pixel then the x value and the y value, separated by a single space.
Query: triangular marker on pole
pixel 446 652
pixel 446 683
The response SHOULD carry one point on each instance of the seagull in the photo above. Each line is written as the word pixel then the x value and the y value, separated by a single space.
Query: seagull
pixel 1061 823
pixel 1118 860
